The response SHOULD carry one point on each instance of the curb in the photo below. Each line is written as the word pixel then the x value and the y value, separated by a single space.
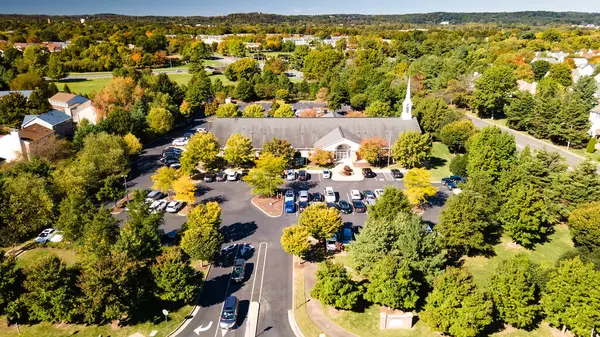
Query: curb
pixel 191 315
pixel 291 317
pixel 262 210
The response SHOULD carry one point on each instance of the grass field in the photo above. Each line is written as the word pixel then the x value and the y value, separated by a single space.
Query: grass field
pixel 439 163
pixel 305 324
pixel 68 256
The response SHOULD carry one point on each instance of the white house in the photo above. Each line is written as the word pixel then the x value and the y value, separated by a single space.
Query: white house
pixel 580 62
pixel 587 70
pixel 78 107
pixel 55 120
pixel 595 121
pixel 19 143
pixel 526 86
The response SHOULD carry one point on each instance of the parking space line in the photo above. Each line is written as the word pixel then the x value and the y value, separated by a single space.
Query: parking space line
pixel 263 270
pixel 226 292
pixel 319 175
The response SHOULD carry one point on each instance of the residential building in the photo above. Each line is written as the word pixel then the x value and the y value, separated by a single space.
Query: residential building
pixel 19 143
pixel 526 86
pixel 55 120
pixel 78 107
pixel 586 70
pixel 595 121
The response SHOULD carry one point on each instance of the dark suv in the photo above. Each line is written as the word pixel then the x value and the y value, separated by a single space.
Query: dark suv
pixel 368 173
pixel 302 175
pixel 397 174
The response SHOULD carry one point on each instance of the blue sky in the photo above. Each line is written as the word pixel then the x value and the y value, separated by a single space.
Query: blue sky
pixel 220 7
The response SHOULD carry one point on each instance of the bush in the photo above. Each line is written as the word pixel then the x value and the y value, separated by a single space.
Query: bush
pixel 591 146
pixel 458 165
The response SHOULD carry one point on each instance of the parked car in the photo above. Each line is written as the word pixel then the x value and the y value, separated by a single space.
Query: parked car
pixel 317 197
pixel 199 129
pixel 303 196
pixel 302 205
pixel 355 195
pixel 329 194
pixel 369 194
pixel 290 175
pixel 172 150
pixel 452 179
pixel 173 207
pixel 326 174
pixel 290 207
pixel 333 205
pixel 154 195
pixel 188 135
pixel 302 175
pixel 348 236
pixel 331 243
pixel 209 177
pixel 368 173
pixel 397 174
pixel 221 176
pixel 162 205
pixel 154 204
pixel 345 207
pixel 181 141
pixel 378 192
pixel 174 165
pixel 239 270
pixel 289 195
pixel 57 237
pixel 359 207
pixel 232 176
pixel 171 162
pixel 229 313
pixel 45 235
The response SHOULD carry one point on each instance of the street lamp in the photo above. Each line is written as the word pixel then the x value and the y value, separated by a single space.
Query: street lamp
pixel 126 189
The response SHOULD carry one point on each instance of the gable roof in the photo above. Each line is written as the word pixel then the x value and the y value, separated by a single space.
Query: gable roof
pixel 34 132
pixel 67 98
pixel 304 133
pixel 53 117
pixel 335 136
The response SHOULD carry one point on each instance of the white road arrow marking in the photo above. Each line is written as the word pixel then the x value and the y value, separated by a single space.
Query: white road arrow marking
pixel 202 328
pixel 223 332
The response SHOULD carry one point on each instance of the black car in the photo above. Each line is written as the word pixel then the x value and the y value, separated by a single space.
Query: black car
pixel 345 207
pixel 302 205
pixel 221 176
pixel 359 206
pixel 397 174
pixel 317 197
pixel 209 177
pixel 172 150
pixel 302 175
pixel 368 173
pixel 333 205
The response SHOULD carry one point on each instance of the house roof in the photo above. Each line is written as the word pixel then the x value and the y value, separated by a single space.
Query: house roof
pixel 25 93
pixel 53 117
pixel 69 99
pixel 306 133
pixel 34 132
pixel 596 109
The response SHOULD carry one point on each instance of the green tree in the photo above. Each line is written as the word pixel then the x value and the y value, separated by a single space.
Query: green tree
pixel 584 223
pixel 433 114
pixel 294 241
pixel 392 284
pixel 202 240
pixel 320 61
pixel 99 235
pixel 519 111
pixel 371 149
pixel 335 287
pixel 456 134
pixel 515 292
pixel 76 210
pixel 321 221
pixel 56 69
pixel 455 306
pixel 359 101
pixel 265 178
pixel 458 165
pixel 585 90
pixel 198 91
pixel 391 202
pixel 492 90
pixel 254 111
pixel 412 149
pixel 572 124
pixel 13 108
pixel 561 73
pixel 10 280
pixel 418 186
pixel 243 68
pixel 163 179
pixel 238 150
pixel 491 151
pixel 279 148
pixel 28 81
pixel 244 90
pixel 591 146
pixel 379 109
pixel 540 69
pixel 227 110
pixel 134 146
pixel 160 120
pixel 571 298
pixel 203 147
pixel 175 279
pixel 50 291
pixel 579 186
pixel 284 111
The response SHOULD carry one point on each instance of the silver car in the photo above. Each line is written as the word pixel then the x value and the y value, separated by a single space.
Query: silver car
pixel 326 174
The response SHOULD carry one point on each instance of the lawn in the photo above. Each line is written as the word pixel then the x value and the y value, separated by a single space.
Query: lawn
pixel 305 324
pixel 439 164
pixel 66 255
pixel 546 255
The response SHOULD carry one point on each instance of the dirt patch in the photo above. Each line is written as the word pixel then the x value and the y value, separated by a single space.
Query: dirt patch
pixel 184 211
pixel 271 206
pixel 390 311
pixel 333 312
pixel 513 245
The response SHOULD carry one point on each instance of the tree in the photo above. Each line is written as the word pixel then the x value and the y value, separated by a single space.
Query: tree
pixel 412 149
pixel 56 70
pixel 202 240
pixel 492 90
pixel 418 186
pixel 335 287
pixel 320 61
pixel 238 150
pixel 227 110
pixel 491 151
pixel 120 92
pixel 294 241
pixel 524 72
pixel 456 134
pixel 160 120
pixel 322 94
pixel 579 186
pixel 10 279
pixel 515 292
pixel 184 190
pixel 279 148
pixel 540 69
pixel 371 149
pixel 458 165
pixel 265 178
pixel 244 90
pixel 561 73
pixel 392 284
pixel 198 91
pixel 99 234
pixel 50 291
pixel 392 202
pixel 359 101
pixel 321 221
pixel 321 157
pixel 276 65
pixel 571 297
pixel 13 108
pixel 284 111
pixel 433 114
pixel 76 211
pixel 203 147
pixel 520 110
pixel 243 68
pixel 254 111
pixel 379 109
pixel 175 279
pixel 455 306
pixel 134 146
pixel 28 81
pixel 584 223
pixel 163 179
pixel 591 146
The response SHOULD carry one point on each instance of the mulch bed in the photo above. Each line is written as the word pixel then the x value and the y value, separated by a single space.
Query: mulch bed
pixel 271 206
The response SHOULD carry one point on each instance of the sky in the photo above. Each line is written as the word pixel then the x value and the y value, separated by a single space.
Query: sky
pixel 305 7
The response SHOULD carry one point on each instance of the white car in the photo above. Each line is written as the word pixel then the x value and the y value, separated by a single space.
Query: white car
pixel 173 207
pixel 45 235
pixel 378 192
pixel 456 190
pixel 232 176
pixel 154 204
pixel 162 204
pixel 329 194
pixel 291 175
pixel 57 237
pixel 182 141
pixel 289 196
pixel 303 196
pixel 199 129
pixel 326 174
pixel 355 195
pixel 331 243
pixel 154 195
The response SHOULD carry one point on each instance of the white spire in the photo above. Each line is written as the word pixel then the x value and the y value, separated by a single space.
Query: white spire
pixel 407 104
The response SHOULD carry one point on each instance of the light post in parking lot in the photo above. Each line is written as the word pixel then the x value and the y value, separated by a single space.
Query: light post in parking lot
pixel 126 188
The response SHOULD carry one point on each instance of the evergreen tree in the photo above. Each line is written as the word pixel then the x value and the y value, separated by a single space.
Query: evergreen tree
pixel 548 103
pixel 491 151
pixel 198 90
pixel 335 287
pixel 519 111
pixel 244 90
pixel 392 284
pixel 392 202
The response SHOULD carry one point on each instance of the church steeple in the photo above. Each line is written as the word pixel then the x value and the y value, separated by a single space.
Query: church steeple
pixel 407 104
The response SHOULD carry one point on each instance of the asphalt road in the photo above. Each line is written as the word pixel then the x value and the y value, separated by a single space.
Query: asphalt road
pixel 269 269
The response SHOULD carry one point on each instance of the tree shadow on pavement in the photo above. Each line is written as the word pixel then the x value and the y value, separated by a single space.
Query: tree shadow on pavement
pixel 202 190
pixel 238 231
pixel 438 200
pixel 215 290
pixel 301 185
pixel 217 198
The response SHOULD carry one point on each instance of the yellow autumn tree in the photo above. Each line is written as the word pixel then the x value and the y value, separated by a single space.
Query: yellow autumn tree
pixel 185 190
pixel 418 186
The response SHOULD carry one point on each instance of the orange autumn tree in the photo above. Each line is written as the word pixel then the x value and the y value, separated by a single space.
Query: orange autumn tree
pixel 120 92
pixel 372 148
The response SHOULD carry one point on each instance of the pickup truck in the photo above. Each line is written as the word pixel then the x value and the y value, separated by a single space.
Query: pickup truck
pixel 239 268
pixel 329 194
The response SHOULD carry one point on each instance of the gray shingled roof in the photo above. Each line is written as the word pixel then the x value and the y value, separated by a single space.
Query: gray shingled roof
pixel 303 133
pixel 53 117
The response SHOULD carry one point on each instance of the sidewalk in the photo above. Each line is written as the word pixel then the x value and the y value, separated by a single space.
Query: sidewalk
pixel 314 308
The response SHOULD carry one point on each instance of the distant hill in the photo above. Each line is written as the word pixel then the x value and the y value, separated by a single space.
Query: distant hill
pixel 504 18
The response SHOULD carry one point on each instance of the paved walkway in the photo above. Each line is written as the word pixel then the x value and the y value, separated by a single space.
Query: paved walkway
pixel 314 308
